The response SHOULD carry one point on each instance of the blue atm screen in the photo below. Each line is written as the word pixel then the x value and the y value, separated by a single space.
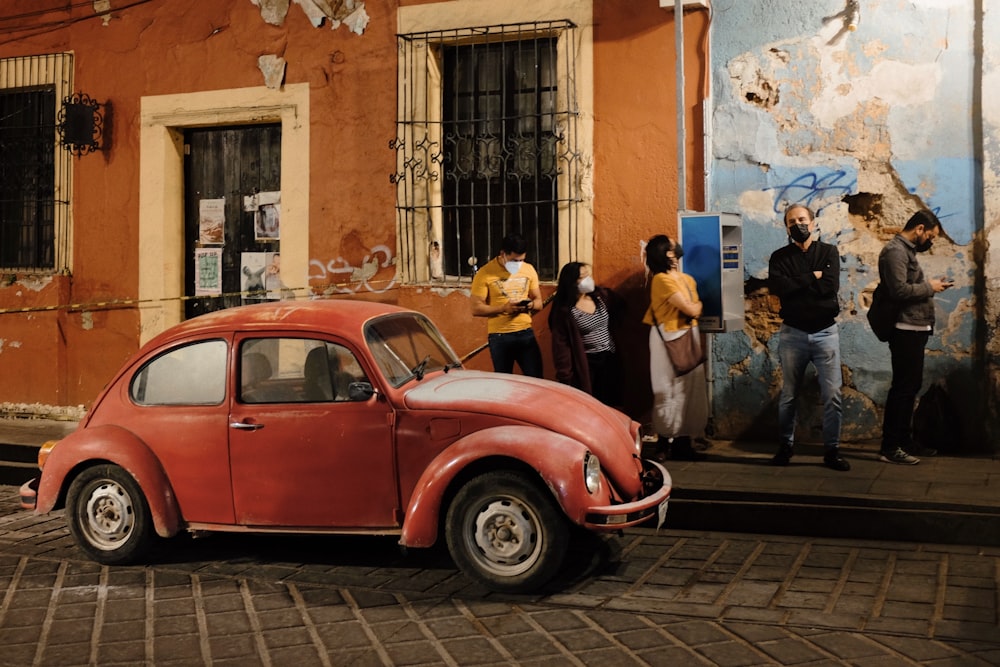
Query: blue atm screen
pixel 701 238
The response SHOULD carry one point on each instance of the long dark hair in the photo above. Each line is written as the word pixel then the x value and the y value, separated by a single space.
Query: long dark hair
pixel 656 254
pixel 567 292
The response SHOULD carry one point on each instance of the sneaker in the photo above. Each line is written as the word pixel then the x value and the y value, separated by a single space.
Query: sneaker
pixel 682 450
pixel 836 462
pixel 783 456
pixel 899 456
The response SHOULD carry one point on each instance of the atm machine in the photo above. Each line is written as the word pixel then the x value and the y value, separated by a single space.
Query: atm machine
pixel 713 256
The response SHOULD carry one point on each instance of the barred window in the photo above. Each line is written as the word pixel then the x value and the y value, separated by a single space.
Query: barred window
pixel 486 146
pixel 35 170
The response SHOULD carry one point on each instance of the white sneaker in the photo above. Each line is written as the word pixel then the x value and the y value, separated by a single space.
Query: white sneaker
pixel 899 456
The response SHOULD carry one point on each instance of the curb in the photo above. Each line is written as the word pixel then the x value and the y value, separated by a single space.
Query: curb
pixel 816 516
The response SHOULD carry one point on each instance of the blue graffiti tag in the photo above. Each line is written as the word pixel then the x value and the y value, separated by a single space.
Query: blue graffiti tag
pixel 809 187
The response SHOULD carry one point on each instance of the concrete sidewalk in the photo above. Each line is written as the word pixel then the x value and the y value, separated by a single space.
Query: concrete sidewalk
pixel 943 499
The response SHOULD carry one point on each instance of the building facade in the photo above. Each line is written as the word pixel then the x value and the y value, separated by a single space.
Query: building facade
pixel 257 149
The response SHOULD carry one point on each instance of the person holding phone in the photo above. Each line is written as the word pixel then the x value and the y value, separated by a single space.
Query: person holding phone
pixel 506 292
pixel 904 282
pixel 680 402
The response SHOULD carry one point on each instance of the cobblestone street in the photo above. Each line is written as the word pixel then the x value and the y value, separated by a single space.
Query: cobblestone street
pixel 673 598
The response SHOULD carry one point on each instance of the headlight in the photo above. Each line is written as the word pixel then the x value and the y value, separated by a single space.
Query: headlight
pixel 591 473
pixel 43 452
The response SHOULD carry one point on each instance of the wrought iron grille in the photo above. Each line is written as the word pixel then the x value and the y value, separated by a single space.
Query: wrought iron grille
pixel 34 171
pixel 486 146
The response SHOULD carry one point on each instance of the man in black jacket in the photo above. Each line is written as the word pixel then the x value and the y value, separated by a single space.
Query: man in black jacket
pixel 805 276
pixel 904 283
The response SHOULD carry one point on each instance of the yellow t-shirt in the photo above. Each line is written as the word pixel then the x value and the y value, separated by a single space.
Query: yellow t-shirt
pixel 497 287
pixel 665 285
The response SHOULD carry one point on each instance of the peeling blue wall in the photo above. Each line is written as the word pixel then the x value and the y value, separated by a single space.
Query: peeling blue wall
pixel 863 126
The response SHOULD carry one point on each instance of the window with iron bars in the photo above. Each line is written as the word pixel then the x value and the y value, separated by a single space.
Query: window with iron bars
pixel 486 146
pixel 35 170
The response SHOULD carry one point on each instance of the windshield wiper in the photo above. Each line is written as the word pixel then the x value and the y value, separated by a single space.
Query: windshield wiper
pixel 419 369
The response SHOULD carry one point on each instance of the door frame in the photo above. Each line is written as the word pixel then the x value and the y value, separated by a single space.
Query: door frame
pixel 163 119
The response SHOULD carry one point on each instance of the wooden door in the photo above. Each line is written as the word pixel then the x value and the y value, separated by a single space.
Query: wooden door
pixel 232 177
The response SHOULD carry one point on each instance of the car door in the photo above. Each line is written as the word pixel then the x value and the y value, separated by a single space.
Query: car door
pixel 303 454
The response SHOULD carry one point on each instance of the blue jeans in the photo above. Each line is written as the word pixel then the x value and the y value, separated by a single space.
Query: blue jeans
pixel 519 346
pixel 796 349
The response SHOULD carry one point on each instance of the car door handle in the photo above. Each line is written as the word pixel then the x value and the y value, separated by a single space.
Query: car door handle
pixel 243 426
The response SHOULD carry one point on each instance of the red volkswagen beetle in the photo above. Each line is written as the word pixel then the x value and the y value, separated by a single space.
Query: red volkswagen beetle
pixel 344 417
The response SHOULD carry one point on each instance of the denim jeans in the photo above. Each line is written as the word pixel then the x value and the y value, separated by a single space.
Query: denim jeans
pixel 907 350
pixel 796 349
pixel 519 346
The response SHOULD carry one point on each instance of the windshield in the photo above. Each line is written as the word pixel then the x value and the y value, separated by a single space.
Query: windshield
pixel 407 346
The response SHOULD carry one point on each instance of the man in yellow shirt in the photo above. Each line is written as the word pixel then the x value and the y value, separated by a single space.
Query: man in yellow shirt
pixel 506 291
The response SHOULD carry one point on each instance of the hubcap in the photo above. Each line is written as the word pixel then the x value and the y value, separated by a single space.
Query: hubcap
pixel 506 534
pixel 110 517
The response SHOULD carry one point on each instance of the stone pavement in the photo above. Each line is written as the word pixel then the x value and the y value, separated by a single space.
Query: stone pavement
pixel 644 598
pixel 680 596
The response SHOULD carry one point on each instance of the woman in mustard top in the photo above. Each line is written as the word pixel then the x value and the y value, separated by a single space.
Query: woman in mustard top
pixel 680 404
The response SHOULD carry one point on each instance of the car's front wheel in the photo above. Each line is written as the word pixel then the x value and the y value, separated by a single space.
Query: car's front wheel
pixel 506 532
pixel 108 516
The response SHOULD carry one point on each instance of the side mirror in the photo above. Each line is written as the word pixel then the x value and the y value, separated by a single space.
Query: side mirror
pixel 360 391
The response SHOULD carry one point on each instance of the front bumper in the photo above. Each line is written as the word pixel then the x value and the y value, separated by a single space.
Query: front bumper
pixel 658 486
pixel 29 494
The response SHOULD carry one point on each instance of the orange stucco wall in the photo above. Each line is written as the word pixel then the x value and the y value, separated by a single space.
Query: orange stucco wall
pixel 65 356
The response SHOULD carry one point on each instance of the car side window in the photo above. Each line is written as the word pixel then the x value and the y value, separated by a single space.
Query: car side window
pixel 189 375
pixel 296 370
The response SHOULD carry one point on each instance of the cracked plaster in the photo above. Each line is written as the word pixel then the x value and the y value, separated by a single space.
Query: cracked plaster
pixel 350 13
pixel 854 127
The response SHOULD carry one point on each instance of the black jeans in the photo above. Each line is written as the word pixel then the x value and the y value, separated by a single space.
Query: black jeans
pixel 519 346
pixel 907 350
pixel 603 368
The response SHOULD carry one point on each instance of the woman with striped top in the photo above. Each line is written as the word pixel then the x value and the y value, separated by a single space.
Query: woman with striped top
pixel 583 348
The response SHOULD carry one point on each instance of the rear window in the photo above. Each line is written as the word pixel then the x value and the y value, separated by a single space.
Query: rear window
pixel 190 375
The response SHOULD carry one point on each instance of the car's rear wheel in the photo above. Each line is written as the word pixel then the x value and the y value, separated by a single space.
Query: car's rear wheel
pixel 506 532
pixel 108 516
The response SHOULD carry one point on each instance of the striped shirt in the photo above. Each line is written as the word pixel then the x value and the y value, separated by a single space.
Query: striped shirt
pixel 594 329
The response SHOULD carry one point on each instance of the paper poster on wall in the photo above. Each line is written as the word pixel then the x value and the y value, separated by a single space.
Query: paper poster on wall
pixel 266 209
pixel 211 221
pixel 207 271
pixel 261 276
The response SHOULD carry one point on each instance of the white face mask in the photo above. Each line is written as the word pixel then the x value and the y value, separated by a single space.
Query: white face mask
pixel 586 285
pixel 513 266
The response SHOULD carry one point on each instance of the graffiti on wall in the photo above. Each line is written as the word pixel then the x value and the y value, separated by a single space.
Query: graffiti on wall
pixel 377 273
pixel 812 187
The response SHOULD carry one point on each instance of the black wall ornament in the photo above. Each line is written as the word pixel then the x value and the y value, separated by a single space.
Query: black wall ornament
pixel 81 124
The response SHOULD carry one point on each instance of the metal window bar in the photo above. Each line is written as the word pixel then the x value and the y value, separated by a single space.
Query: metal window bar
pixel 486 145
pixel 34 169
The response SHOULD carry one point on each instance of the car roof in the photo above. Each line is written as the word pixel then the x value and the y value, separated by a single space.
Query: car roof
pixel 343 317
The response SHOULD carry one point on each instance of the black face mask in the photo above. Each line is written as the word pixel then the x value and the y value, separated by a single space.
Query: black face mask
pixel 799 233
pixel 923 246
pixel 678 251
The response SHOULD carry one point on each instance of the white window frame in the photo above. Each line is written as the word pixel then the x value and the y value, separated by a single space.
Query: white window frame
pixel 420 228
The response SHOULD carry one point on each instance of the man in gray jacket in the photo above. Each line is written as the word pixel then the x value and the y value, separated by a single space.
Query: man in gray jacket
pixel 912 294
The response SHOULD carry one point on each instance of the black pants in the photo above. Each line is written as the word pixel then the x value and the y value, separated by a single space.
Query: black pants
pixel 519 346
pixel 604 384
pixel 907 349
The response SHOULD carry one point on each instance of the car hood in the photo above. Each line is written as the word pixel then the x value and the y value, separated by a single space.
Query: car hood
pixel 557 407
